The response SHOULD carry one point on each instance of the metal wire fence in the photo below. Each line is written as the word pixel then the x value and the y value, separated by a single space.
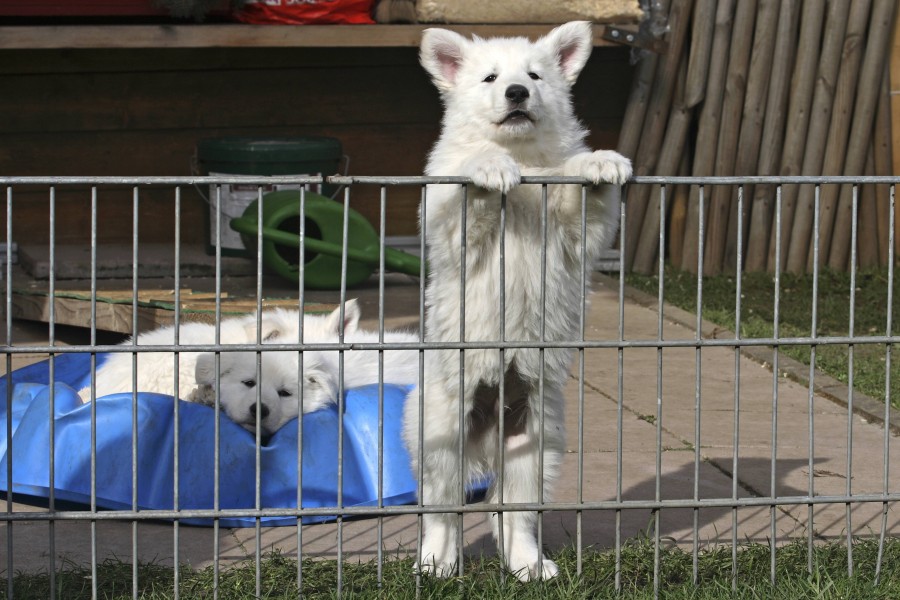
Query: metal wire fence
pixel 585 504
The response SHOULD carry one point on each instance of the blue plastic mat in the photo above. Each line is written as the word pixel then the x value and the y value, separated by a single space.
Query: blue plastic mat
pixel 30 416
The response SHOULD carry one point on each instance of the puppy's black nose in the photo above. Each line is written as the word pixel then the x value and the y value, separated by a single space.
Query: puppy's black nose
pixel 516 93
pixel 264 410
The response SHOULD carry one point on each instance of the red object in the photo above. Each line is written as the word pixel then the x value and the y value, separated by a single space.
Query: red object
pixel 306 12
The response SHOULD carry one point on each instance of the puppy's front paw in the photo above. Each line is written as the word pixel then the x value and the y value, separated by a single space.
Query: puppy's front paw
pixel 435 565
pixel 602 166
pixel 203 394
pixel 529 571
pixel 498 173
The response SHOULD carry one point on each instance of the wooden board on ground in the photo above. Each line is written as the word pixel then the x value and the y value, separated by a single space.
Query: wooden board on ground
pixel 155 308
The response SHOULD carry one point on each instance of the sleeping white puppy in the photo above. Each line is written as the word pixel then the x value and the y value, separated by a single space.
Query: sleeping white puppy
pixel 156 370
pixel 275 386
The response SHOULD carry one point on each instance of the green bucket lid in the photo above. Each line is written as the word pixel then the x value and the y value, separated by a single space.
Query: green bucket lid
pixel 262 150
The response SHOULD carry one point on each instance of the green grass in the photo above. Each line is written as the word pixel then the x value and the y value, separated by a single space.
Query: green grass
pixel 830 578
pixel 795 316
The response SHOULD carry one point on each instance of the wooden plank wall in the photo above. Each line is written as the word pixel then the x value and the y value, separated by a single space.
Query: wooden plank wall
pixel 141 113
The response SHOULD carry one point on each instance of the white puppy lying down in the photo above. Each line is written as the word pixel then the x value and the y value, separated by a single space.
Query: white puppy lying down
pixel 156 370
pixel 276 384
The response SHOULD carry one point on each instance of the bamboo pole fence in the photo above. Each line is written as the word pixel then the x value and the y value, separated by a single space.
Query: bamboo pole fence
pixel 762 87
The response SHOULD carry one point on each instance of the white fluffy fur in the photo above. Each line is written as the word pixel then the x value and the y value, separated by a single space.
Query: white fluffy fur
pixel 399 367
pixel 494 140
pixel 278 384
pixel 156 370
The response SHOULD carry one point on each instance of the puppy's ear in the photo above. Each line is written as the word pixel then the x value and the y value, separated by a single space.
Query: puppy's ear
pixel 571 44
pixel 351 318
pixel 351 315
pixel 270 328
pixel 205 370
pixel 441 53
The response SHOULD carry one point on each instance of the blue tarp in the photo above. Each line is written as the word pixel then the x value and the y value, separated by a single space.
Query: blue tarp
pixel 31 423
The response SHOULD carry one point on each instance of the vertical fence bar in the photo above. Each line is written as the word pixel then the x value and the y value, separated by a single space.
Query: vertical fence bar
pixel 889 327
pixel 736 433
pixel 501 395
pixel 851 379
pixel 697 394
pixel 176 502
pixel 773 490
pixel 93 322
pixel 581 335
pixel 217 394
pixel 51 500
pixel 134 403
pixel 9 369
pixel 420 449
pixel 345 238
pixel 94 582
pixel 660 303
pixel 382 225
pixel 462 378
pixel 257 470
pixel 810 516
pixel 301 250
pixel 620 392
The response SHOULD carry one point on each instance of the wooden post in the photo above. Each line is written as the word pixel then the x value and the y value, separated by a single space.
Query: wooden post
pixel 867 234
pixel 841 116
pixel 669 159
pixel 704 23
pixel 752 122
pixel 735 85
pixel 802 85
pixel 883 159
pixel 636 109
pixel 708 129
pixel 655 124
pixel 870 77
pixel 678 218
pixel 820 117
pixel 772 136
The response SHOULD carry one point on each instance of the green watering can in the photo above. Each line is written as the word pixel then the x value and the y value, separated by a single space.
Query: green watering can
pixel 324 226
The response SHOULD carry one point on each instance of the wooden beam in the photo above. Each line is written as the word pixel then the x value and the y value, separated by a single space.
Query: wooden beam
pixel 155 308
pixel 42 37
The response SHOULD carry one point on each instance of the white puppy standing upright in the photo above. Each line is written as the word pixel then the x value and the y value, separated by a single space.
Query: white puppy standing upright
pixel 508 113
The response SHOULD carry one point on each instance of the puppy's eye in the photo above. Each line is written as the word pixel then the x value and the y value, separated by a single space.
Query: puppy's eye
pixel 534 76
pixel 284 393
pixel 490 78
pixel 311 380
pixel 249 383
